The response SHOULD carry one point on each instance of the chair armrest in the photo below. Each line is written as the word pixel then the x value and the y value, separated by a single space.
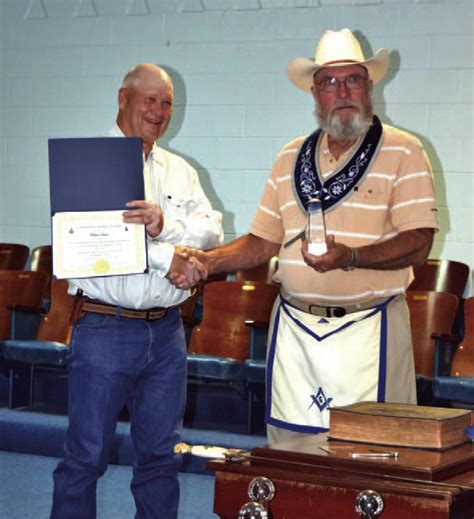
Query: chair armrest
pixel 27 309
pixel 445 347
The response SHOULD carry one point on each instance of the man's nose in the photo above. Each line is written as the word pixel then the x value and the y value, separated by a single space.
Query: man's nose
pixel 342 90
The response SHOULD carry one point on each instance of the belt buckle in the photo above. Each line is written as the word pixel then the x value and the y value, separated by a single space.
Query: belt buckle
pixel 336 311
pixel 331 311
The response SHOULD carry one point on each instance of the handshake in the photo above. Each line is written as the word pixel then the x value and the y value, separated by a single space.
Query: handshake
pixel 188 267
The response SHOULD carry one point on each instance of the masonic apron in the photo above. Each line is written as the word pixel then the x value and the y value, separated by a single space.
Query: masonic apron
pixel 315 363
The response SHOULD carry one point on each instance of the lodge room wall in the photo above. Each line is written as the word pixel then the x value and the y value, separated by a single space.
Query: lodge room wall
pixel 62 62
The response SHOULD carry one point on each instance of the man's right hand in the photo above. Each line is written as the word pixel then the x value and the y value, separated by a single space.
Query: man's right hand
pixel 186 270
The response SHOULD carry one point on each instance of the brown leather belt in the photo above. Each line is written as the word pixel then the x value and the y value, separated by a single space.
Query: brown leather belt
pixel 83 305
pixel 101 308
pixel 332 311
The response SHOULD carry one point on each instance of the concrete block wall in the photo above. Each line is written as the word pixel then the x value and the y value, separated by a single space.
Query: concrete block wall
pixel 62 62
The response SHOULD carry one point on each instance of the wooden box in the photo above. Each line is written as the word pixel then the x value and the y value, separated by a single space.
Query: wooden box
pixel 318 478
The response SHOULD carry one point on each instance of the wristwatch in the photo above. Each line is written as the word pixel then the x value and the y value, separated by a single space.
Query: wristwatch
pixel 352 262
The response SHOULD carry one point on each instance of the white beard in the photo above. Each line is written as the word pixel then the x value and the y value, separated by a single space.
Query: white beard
pixel 346 129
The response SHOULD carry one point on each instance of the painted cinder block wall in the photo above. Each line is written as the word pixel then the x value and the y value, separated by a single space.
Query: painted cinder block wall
pixel 62 62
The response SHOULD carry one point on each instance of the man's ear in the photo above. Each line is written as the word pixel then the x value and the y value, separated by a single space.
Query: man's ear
pixel 122 98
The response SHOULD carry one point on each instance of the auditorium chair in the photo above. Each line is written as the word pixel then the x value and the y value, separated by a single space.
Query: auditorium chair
pixel 254 371
pixel 42 259
pixel 13 256
pixel 441 276
pixel 458 388
pixel 444 276
pixel 221 342
pixel 47 350
pixel 191 309
pixel 19 287
pixel 431 315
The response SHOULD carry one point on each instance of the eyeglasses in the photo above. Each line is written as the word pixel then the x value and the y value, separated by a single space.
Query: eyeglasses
pixel 331 84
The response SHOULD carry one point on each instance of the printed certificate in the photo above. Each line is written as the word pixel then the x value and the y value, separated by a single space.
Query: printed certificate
pixel 91 180
pixel 89 244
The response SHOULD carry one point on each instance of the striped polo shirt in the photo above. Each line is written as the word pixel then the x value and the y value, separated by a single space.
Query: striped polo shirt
pixel 396 195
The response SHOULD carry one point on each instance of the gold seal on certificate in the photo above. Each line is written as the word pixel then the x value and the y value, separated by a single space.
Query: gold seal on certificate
pixel 90 244
pixel 101 266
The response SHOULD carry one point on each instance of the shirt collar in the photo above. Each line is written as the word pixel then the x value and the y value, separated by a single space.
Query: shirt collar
pixel 324 147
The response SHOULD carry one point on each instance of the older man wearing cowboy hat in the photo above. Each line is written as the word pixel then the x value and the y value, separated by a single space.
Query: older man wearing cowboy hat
pixel 340 331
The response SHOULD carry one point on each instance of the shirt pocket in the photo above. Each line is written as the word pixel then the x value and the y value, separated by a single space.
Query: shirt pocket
pixel 371 194
pixel 178 206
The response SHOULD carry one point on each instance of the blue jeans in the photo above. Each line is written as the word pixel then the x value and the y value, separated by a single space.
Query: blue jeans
pixel 116 361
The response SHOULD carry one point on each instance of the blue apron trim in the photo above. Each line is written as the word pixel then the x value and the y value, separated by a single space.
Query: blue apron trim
pixel 308 182
pixel 383 355
pixel 271 358
pixel 270 361
pixel 306 429
pixel 320 338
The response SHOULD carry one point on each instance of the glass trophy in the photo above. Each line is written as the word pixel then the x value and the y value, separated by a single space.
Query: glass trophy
pixel 316 231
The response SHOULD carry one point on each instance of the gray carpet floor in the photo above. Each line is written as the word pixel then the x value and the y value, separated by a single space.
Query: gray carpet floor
pixel 26 488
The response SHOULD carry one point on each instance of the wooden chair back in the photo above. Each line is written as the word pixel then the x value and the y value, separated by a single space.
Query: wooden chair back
pixel 42 259
pixel 430 312
pixel 19 287
pixel 188 308
pixel 55 325
pixel 262 272
pixel 13 256
pixel 441 276
pixel 227 305
pixel 463 362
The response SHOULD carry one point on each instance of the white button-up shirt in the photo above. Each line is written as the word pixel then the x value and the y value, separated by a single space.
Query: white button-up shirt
pixel 188 219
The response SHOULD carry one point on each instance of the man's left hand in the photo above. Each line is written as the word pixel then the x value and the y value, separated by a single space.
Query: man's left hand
pixel 337 256
pixel 147 213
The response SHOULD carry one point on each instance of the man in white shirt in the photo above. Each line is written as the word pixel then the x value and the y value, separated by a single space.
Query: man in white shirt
pixel 128 343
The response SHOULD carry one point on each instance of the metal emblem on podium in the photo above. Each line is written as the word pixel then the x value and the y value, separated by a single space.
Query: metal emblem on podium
pixel 261 491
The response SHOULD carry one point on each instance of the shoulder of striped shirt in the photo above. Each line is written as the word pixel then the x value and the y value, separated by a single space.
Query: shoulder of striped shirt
pixel 396 139
pixel 293 146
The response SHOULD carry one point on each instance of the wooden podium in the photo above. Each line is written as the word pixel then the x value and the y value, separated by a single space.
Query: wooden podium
pixel 317 478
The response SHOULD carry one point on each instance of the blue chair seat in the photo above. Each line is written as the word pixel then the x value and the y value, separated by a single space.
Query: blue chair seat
pixel 455 389
pixel 35 352
pixel 212 367
pixel 254 371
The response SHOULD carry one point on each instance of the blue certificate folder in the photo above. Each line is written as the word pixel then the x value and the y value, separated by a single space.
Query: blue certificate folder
pixel 95 174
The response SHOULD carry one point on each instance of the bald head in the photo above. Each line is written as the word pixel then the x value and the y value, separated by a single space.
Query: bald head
pixel 145 103
pixel 145 72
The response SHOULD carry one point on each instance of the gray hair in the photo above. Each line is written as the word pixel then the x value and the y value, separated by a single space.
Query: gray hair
pixel 135 74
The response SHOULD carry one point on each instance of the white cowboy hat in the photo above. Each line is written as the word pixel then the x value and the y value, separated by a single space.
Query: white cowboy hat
pixel 335 49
